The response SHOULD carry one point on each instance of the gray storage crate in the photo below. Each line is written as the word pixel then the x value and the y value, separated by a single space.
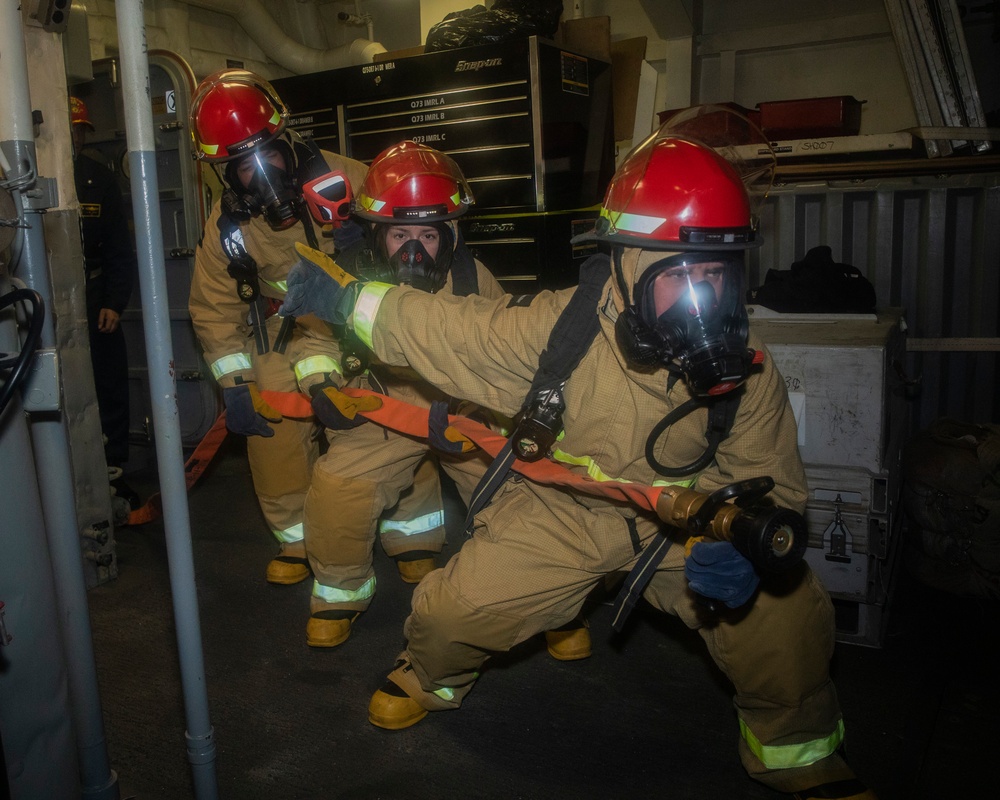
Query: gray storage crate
pixel 845 384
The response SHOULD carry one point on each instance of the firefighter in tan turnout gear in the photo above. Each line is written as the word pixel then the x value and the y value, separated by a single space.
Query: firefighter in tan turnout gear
pixel 408 204
pixel 239 126
pixel 671 330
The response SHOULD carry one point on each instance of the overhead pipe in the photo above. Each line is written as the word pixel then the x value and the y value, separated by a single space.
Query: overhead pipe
pixel 308 22
pixel 254 18
pixel 143 180
pixel 358 18
pixel 49 433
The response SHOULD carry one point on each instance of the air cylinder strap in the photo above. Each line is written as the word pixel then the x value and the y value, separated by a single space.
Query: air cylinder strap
pixel 540 420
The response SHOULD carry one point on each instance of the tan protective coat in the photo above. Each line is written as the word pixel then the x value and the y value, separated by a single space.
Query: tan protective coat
pixel 282 464
pixel 368 470
pixel 538 551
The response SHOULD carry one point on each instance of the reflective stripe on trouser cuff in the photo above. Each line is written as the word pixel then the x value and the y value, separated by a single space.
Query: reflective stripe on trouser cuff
pixel 315 365
pixel 427 522
pixel 441 699
pixel 447 694
pixel 227 364
pixel 289 535
pixel 331 594
pixel 788 756
pixel 366 309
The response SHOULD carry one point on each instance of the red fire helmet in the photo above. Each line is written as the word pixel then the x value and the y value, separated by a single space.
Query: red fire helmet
pixel 233 113
pixel 411 183
pixel 674 193
pixel 78 113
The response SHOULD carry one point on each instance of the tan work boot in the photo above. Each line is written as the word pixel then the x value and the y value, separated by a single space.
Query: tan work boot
pixel 329 628
pixel 414 571
pixel 286 570
pixel 290 565
pixel 393 709
pixel 571 642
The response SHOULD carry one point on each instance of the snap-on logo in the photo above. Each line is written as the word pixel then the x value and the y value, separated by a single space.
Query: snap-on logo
pixel 474 66
pixel 491 227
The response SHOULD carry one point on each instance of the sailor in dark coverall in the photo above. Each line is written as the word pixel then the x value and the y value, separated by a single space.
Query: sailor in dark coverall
pixel 108 252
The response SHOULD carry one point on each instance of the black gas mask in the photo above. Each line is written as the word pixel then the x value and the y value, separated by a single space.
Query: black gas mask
pixel 271 190
pixel 702 335
pixel 412 265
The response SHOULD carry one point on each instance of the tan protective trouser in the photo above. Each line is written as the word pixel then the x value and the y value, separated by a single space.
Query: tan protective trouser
pixel 529 567
pixel 281 465
pixel 366 471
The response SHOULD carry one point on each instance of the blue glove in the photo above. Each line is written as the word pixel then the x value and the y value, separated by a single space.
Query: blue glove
pixel 339 411
pixel 246 411
pixel 719 571
pixel 316 285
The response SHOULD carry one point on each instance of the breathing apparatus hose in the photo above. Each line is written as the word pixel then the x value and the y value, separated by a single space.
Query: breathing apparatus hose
pixel 19 365
pixel 688 469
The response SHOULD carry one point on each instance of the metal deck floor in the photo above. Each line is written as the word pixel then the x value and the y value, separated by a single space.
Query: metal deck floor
pixel 647 715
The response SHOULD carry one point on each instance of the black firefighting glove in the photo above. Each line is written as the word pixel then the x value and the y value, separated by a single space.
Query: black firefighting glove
pixel 247 413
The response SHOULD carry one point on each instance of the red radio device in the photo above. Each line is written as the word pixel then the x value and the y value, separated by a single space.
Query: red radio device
pixel 329 198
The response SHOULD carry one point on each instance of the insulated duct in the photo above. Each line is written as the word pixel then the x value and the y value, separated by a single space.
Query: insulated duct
pixel 254 18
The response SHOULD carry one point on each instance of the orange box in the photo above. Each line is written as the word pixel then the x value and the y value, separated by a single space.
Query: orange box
pixel 718 129
pixel 811 118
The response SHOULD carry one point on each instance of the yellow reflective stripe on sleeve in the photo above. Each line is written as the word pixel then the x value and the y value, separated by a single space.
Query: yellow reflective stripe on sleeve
pixel 593 470
pixel 233 363
pixel 281 286
pixel 366 309
pixel 789 756
pixel 292 534
pixel 687 484
pixel 598 474
pixel 315 365
pixel 331 594
pixel 427 522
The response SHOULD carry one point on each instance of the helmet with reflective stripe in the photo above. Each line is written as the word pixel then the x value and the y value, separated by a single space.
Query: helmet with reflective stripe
pixel 674 193
pixel 78 113
pixel 410 183
pixel 233 113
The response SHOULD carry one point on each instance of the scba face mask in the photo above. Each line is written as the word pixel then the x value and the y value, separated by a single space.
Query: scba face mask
pixel 688 316
pixel 270 191
pixel 412 265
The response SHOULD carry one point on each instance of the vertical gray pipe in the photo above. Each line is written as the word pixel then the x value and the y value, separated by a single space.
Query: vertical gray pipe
pixel 36 721
pixel 163 391
pixel 49 433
